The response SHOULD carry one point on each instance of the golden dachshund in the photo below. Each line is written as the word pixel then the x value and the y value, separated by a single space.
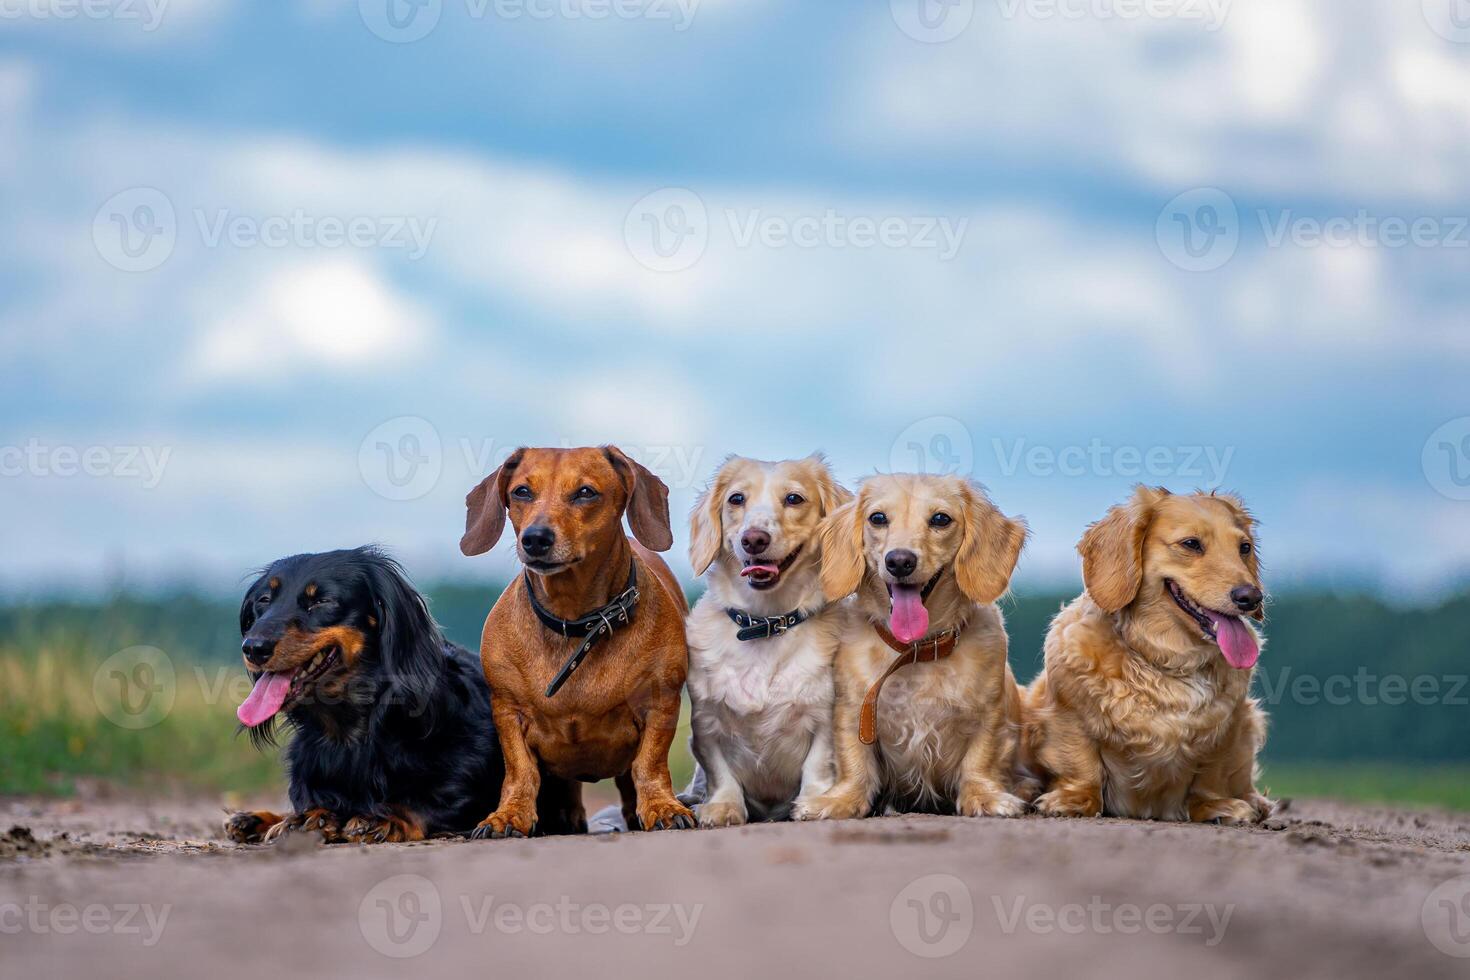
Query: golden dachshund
pixel 1143 708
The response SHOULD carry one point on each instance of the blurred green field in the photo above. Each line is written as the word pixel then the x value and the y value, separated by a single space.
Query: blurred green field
pixel 1408 784
pixel 70 712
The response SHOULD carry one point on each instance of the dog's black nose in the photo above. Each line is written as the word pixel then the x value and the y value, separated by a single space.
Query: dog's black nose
pixel 901 562
pixel 258 651
pixel 754 542
pixel 537 540
pixel 1247 598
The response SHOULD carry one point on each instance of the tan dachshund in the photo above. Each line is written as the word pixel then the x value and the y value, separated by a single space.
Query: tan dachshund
pixel 585 652
pixel 927 711
pixel 1143 707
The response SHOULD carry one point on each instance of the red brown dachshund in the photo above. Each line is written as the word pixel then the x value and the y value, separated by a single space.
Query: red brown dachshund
pixel 585 653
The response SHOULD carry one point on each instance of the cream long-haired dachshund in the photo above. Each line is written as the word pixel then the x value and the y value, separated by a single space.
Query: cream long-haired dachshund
pixel 1143 707
pixel 761 641
pixel 928 712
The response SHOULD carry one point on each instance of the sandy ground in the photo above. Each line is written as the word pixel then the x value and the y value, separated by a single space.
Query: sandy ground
pixel 127 889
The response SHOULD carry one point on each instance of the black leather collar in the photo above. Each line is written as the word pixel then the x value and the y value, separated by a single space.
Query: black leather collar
pixel 764 627
pixel 594 626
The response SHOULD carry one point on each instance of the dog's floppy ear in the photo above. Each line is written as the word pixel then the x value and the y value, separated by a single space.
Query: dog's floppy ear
pixel 989 550
pixel 831 494
pixel 841 537
pixel 648 501
pixel 410 644
pixel 1112 551
pixel 706 528
pixel 485 508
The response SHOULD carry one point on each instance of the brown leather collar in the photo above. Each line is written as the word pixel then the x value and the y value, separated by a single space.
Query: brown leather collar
pixel 929 649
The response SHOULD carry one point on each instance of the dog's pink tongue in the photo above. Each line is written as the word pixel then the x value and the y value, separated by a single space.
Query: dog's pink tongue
pixel 768 569
pixel 910 620
pixel 1237 640
pixel 265 699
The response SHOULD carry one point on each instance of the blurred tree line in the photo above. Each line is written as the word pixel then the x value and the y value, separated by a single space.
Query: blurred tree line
pixel 1343 677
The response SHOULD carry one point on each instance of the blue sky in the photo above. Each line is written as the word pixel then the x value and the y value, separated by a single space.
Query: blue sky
pixel 256 255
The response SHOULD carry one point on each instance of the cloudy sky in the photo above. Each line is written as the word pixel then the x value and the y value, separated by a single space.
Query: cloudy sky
pixel 285 277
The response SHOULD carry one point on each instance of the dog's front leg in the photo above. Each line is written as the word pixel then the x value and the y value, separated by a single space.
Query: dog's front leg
pixel 1224 790
pixel 987 768
pixel 657 807
pixel 516 815
pixel 857 767
pixel 724 804
pixel 1074 764
pixel 817 770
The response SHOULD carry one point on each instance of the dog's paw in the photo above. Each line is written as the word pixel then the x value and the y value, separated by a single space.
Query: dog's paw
pixel 806 808
pixel 505 823
pixel 720 814
pixel 666 815
pixel 1060 804
pixel 389 830
pixel 250 826
pixel 982 803
pixel 1233 813
pixel 1263 806
pixel 316 820
pixel 830 807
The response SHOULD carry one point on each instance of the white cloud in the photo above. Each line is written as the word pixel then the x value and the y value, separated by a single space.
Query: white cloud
pixel 1290 96
pixel 332 314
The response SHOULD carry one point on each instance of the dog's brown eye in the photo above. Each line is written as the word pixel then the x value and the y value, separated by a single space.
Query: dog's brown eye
pixel 736 499
pixel 521 492
pixel 878 519
pixel 941 519
pixel 1193 544
pixel 1245 550
pixel 264 600
pixel 584 493
pixel 794 500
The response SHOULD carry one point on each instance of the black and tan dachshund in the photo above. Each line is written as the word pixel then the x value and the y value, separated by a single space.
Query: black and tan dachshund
pixel 392 737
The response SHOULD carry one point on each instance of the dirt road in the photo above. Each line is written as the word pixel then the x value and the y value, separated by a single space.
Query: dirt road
pixel 131 890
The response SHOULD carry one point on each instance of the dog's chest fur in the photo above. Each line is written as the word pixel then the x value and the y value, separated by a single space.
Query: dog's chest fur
pixel 1156 727
pixel 929 713
pixel 761 701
